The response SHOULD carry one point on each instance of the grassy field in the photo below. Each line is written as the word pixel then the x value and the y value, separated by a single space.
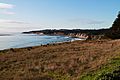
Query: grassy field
pixel 78 60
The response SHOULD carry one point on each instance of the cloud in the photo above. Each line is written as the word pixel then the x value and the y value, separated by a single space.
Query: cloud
pixel 11 21
pixel 8 12
pixel 17 22
pixel 6 6
pixel 86 21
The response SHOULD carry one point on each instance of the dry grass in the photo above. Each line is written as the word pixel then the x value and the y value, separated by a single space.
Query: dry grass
pixel 62 61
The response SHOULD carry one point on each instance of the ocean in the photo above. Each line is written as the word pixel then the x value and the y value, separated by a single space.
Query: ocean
pixel 29 40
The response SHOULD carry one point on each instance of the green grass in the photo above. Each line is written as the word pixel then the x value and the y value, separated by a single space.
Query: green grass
pixel 110 71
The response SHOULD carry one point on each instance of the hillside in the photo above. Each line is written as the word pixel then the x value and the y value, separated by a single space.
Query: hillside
pixel 93 59
pixel 63 61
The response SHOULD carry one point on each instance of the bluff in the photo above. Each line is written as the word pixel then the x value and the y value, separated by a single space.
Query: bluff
pixel 109 33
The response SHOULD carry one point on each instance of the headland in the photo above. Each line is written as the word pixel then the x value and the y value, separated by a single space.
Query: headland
pixel 95 58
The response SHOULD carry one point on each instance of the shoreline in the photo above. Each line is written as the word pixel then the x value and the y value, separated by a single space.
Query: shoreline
pixel 95 58
pixel 53 43
pixel 46 61
pixel 70 39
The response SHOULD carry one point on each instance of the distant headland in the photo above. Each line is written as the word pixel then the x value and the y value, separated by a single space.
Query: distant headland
pixel 89 34
pixel 97 58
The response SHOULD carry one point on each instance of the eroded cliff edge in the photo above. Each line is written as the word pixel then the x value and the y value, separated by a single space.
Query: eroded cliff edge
pixel 110 33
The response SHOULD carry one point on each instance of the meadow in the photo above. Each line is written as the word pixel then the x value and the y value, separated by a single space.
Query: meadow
pixel 78 60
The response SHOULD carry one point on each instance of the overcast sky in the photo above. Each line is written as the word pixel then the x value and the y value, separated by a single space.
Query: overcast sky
pixel 25 15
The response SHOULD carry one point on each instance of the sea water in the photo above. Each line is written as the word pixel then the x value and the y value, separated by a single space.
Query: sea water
pixel 28 40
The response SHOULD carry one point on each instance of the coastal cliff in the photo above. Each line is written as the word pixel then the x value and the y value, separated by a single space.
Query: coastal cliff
pixel 92 59
pixel 110 33
pixel 84 34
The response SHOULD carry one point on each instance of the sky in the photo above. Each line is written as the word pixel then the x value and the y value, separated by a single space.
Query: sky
pixel 25 15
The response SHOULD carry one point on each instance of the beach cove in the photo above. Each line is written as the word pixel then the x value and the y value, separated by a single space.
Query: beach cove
pixel 29 40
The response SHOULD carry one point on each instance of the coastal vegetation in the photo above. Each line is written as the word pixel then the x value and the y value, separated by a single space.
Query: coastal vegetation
pixel 78 60
pixel 110 33
pixel 79 33
pixel 91 59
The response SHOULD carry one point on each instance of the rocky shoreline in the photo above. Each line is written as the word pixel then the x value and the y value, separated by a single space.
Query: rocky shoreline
pixel 94 59
pixel 78 33
pixel 110 33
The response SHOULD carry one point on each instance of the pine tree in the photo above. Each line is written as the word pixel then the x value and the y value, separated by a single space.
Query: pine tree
pixel 114 31
pixel 116 24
